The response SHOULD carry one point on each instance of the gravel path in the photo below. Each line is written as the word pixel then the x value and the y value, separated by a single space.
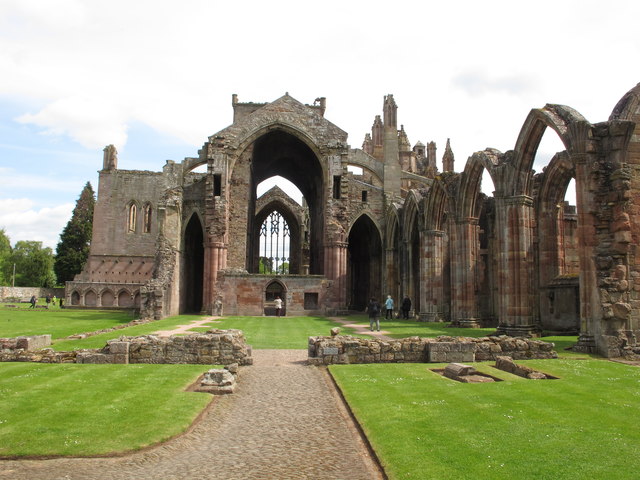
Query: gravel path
pixel 285 421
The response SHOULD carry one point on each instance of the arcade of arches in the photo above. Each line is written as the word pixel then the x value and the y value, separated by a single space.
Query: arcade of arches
pixel 382 219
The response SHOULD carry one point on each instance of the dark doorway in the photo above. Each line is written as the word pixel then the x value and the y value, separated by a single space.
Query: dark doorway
pixel 364 268
pixel 193 266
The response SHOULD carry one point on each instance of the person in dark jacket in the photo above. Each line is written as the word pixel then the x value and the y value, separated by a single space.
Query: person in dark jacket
pixel 406 307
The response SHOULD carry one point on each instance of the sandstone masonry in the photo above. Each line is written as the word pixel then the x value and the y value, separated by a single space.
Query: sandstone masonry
pixel 444 349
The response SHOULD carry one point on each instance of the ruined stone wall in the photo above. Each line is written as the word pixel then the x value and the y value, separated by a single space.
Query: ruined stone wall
pixel 239 202
pixel 216 347
pixel 117 190
pixel 244 294
pixel 351 350
pixel 25 293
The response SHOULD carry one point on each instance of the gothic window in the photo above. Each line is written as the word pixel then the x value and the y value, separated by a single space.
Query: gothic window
pixel 133 215
pixel 275 245
pixel 146 226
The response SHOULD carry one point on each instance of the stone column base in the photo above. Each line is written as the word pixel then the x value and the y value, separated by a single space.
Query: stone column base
pixel 430 317
pixel 469 323
pixel 520 330
pixel 586 344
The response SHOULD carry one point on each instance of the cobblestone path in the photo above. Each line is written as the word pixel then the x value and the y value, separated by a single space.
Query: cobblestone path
pixel 285 421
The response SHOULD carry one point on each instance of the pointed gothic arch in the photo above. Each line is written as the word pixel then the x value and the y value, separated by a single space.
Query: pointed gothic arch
pixel 192 262
pixel 364 265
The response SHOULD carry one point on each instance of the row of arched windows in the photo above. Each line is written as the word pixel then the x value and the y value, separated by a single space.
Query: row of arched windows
pixel 132 219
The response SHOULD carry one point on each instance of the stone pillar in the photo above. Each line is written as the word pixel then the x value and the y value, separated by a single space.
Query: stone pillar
pixel 431 273
pixel 215 259
pixel 515 215
pixel 464 258
pixel 335 268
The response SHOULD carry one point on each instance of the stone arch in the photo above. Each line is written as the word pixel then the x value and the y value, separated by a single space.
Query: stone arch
pixel 557 263
pixel 557 117
pixel 107 298
pixel 285 151
pixel 411 252
pixel 364 262
pixel 272 289
pixel 75 298
pixel 288 211
pixel 392 252
pixel 90 298
pixel 132 217
pixel 192 265
pixel 435 286
pixel 147 217
pixel 125 299
pixel 471 178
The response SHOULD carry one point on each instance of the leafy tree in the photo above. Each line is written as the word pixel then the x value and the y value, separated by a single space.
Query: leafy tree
pixel 73 249
pixel 34 264
pixel 6 268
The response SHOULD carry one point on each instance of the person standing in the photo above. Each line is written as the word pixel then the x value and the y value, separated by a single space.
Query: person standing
pixel 278 304
pixel 374 314
pixel 33 301
pixel 388 305
pixel 406 306
pixel 48 300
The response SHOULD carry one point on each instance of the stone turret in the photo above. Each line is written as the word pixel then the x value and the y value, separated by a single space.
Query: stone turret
pixel 448 158
pixel 391 149
pixel 110 158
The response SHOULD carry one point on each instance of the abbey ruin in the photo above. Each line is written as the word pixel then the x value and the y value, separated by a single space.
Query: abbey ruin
pixel 381 220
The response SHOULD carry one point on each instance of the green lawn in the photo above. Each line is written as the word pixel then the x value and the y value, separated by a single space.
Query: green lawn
pixel 280 333
pixel 73 409
pixel 260 332
pixel 58 322
pixel 100 340
pixel 425 426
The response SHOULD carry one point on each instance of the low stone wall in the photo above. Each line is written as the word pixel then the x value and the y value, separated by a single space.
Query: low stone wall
pixel 345 349
pixel 34 342
pixel 25 293
pixel 215 347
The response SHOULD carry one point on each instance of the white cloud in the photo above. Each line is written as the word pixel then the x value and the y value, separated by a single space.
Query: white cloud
pixel 21 220
pixel 90 121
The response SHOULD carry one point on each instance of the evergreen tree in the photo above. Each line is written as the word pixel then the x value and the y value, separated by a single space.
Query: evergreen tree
pixel 6 267
pixel 73 249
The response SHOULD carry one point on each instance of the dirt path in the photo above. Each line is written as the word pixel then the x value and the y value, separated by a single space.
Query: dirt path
pixel 363 329
pixel 184 328
pixel 286 421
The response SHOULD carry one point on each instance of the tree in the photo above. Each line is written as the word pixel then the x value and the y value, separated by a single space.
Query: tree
pixel 73 249
pixel 6 268
pixel 34 264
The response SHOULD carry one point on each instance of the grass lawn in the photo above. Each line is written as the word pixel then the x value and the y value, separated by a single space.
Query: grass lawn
pixel 280 333
pixel 73 409
pixel 260 332
pixel 58 322
pixel 425 426
pixel 100 340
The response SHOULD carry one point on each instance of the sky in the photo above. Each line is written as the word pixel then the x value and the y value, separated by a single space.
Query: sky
pixel 155 78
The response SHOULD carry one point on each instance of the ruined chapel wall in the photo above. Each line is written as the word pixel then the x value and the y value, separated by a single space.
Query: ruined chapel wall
pixel 239 201
pixel 117 190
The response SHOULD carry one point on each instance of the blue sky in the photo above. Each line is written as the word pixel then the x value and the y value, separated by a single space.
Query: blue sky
pixel 155 78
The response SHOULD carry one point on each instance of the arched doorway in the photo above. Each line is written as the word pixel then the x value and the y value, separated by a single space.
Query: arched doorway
pixel 283 154
pixel 274 290
pixel 192 266
pixel 364 263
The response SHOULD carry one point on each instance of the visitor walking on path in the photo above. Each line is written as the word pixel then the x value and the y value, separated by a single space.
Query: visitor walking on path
pixel 374 314
pixel 388 304
pixel 33 301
